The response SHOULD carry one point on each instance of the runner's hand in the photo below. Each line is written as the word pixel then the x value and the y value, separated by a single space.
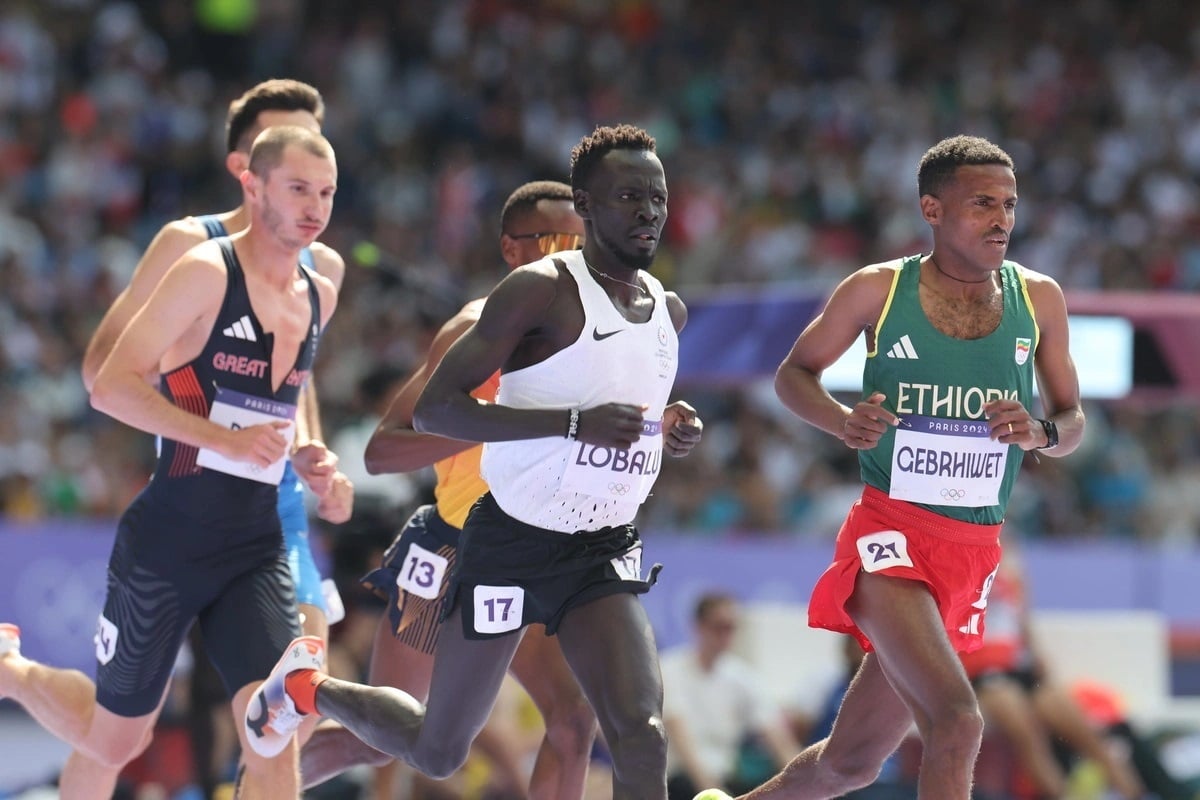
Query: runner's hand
pixel 337 506
pixel 316 465
pixel 1012 424
pixel 681 429
pixel 611 425
pixel 257 444
pixel 867 423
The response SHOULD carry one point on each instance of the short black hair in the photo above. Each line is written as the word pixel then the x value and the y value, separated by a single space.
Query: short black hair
pixel 526 196
pixel 602 141
pixel 277 94
pixel 940 162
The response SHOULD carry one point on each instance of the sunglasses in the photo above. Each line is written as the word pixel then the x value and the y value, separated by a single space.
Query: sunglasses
pixel 553 242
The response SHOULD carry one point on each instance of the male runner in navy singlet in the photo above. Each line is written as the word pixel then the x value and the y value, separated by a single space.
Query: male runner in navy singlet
pixel 202 542
pixel 278 101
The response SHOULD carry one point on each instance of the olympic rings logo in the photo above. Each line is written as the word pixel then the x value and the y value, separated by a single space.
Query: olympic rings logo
pixel 620 489
pixel 953 494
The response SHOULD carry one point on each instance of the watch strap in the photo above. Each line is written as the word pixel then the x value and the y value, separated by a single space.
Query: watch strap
pixel 1051 434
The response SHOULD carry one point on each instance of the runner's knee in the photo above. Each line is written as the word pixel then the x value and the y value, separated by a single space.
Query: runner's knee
pixel 958 727
pixel 852 769
pixel 440 760
pixel 639 750
pixel 116 751
pixel 571 727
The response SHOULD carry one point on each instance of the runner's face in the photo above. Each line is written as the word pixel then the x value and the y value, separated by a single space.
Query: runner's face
pixel 297 196
pixel 978 212
pixel 627 208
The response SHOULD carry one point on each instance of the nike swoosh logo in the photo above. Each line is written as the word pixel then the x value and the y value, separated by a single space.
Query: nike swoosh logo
pixel 600 337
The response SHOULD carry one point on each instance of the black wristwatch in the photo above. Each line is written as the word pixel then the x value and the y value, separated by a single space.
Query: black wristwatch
pixel 1051 434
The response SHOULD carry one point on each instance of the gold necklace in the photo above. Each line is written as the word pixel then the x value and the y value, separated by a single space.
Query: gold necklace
pixel 641 289
pixel 951 277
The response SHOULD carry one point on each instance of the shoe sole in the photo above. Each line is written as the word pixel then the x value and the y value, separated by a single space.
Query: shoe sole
pixel 263 739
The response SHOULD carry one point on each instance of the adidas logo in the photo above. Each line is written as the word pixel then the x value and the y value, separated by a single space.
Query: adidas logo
pixel 244 329
pixel 903 349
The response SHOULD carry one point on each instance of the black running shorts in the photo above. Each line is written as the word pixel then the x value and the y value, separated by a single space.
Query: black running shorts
pixel 511 574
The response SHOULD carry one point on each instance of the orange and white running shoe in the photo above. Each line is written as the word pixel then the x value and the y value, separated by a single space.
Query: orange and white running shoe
pixel 271 717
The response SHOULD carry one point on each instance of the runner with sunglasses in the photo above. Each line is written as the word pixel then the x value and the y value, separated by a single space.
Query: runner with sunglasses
pixel 538 220
pixel 548 243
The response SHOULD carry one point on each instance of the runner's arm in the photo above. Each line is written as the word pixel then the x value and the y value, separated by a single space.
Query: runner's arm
pixel 1058 380
pixel 171 242
pixel 853 308
pixel 518 305
pixel 190 290
pixel 395 446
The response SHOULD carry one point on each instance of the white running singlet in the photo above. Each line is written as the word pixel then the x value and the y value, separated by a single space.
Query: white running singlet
pixel 565 485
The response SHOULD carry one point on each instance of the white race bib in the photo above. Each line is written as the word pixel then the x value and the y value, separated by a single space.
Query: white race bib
pixel 613 473
pixel 499 609
pixel 422 572
pixel 236 410
pixel 879 551
pixel 105 640
pixel 947 462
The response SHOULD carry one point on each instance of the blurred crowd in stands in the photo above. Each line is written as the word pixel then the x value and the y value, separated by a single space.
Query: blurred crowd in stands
pixel 790 134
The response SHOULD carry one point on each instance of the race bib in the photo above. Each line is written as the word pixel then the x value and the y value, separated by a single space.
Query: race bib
pixel 236 410
pixel 947 462
pixel 629 565
pixel 499 609
pixel 105 640
pixel 879 551
pixel 422 572
pixel 616 474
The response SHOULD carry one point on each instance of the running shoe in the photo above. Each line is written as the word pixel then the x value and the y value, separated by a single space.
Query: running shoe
pixel 271 717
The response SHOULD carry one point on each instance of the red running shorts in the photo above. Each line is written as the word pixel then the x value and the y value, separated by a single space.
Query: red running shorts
pixel 956 560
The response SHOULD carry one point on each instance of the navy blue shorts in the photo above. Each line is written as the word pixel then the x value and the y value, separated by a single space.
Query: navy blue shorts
pixel 413 575
pixel 163 575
